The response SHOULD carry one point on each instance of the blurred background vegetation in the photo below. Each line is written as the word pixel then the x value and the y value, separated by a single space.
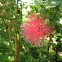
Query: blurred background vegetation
pixel 52 10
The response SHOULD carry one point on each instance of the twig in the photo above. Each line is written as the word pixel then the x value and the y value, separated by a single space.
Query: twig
pixel 7 34
pixel 6 12
pixel 20 37
pixel 11 33
pixel 9 24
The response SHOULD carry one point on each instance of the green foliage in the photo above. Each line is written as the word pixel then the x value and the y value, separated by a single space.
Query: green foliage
pixel 34 53
pixel 53 12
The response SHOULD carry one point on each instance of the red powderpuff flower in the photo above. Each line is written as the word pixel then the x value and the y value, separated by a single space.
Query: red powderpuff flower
pixel 35 29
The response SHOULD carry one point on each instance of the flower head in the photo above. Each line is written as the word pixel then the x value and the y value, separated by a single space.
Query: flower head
pixel 35 29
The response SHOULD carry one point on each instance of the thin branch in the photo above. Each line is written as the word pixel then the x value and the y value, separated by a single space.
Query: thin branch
pixel 9 24
pixel 11 33
pixel 20 31
pixel 15 25
pixel 6 12
pixel 20 40
pixel 21 11
pixel 7 34
pixel 16 41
